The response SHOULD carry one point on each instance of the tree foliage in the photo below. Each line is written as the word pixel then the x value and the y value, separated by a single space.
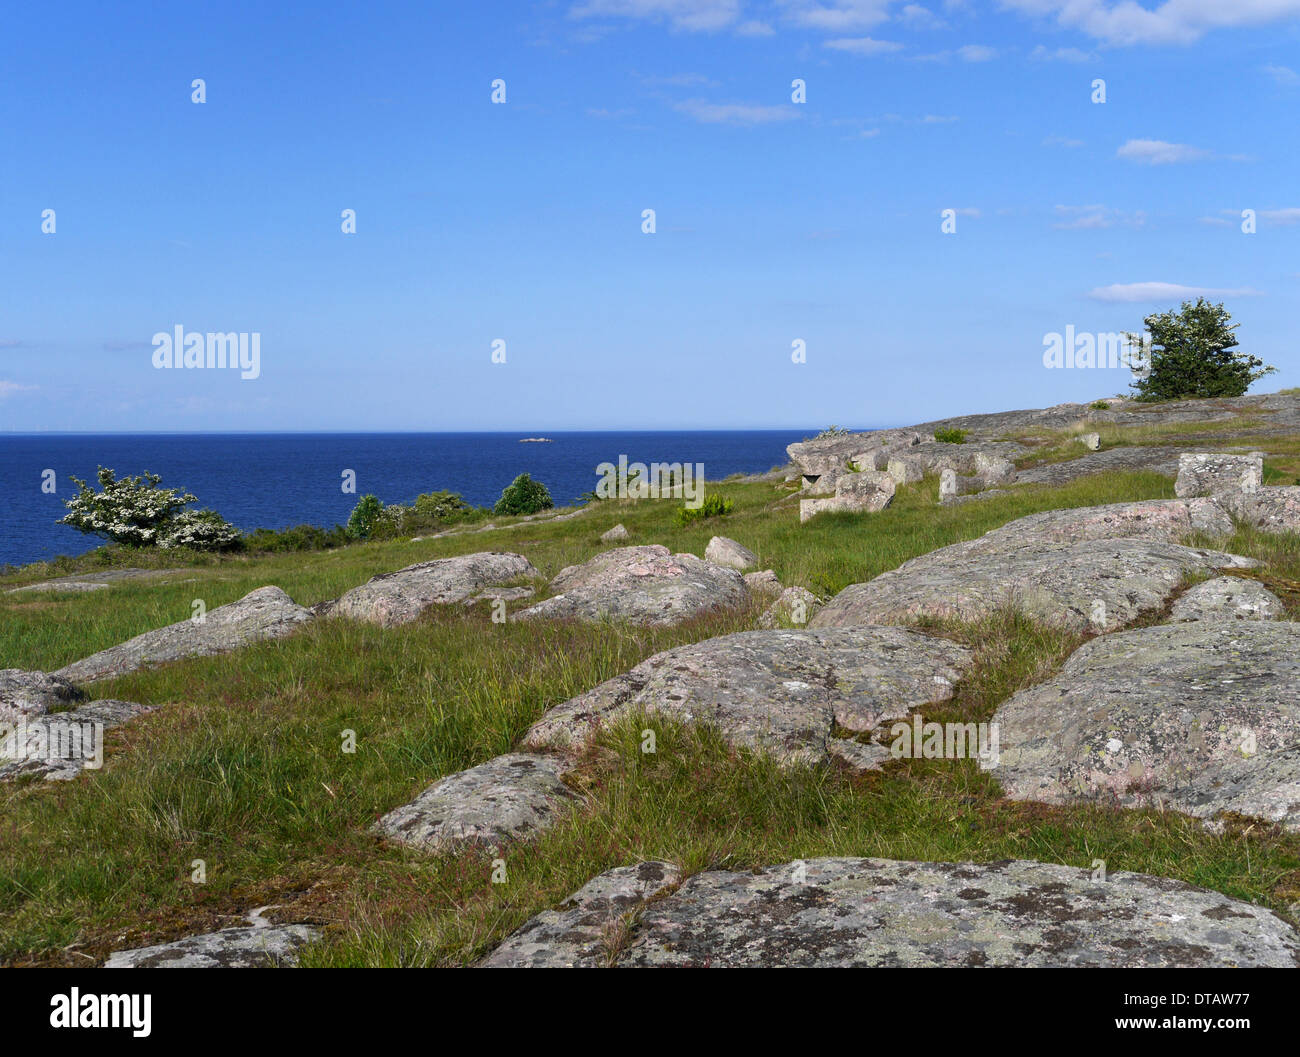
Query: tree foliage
pixel 1193 354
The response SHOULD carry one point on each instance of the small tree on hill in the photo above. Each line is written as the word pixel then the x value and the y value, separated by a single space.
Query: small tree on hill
pixel 523 496
pixel 133 511
pixel 1193 355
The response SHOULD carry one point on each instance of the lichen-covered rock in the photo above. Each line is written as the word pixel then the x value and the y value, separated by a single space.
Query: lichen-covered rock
pixel 24 693
pixel 501 594
pixel 782 692
pixel 508 798
pixel 763 583
pixel 1215 473
pixel 1134 458
pixel 723 551
pixel 267 613
pixel 793 608
pixel 867 491
pixel 59 746
pixel 1169 520
pixel 618 532
pixel 905 469
pixel 880 912
pixel 1227 598
pixel 252 947
pixel 1202 718
pixel 1102 584
pixel 401 597
pixel 584 932
pixel 643 585
pixel 1272 508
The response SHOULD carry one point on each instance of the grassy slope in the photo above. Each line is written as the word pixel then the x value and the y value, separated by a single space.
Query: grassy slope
pixel 243 767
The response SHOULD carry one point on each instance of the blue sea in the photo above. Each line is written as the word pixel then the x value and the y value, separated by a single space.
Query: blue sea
pixel 273 480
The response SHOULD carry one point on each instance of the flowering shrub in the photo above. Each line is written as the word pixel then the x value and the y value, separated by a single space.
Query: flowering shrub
pixel 523 496
pixel 364 516
pixel 131 511
pixel 202 530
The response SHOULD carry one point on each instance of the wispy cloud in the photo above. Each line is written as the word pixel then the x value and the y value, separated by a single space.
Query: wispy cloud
pixel 837 16
pixel 863 45
pixel 1160 152
pixel 1283 75
pixel 1281 217
pixel 1134 292
pixel 1062 141
pixel 692 16
pixel 1042 54
pixel 8 388
pixel 741 114
pixel 1094 217
pixel 1124 22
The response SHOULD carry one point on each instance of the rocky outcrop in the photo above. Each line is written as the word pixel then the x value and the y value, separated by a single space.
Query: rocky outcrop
pixel 508 798
pixel 81 583
pixel 868 491
pixel 723 551
pixel 618 532
pixel 24 693
pixel 1227 598
pixel 267 613
pixel 252 947
pixel 643 585
pixel 783 692
pixel 794 607
pixel 885 913
pixel 763 583
pixel 59 746
pixel 584 932
pixel 397 598
pixel 1214 473
pixel 1100 585
pixel 1133 459
pixel 1272 508
pixel 1202 718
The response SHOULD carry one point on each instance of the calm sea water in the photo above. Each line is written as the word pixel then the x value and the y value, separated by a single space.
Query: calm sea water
pixel 275 480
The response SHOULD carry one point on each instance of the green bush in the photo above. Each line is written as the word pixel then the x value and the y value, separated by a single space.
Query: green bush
pixel 296 538
pixel 523 496
pixel 442 508
pixel 951 436
pixel 1192 355
pixel 361 522
pixel 1099 405
pixel 713 506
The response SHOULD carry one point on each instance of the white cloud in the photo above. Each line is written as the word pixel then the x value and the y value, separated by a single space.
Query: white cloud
pixel 870 133
pixel 837 16
pixel 1132 292
pixel 938 119
pixel 1042 54
pixel 1094 217
pixel 1159 152
pixel 690 15
pixel 1283 75
pixel 863 45
pixel 1172 22
pixel 754 28
pixel 741 114
pixel 914 16
pixel 977 53
pixel 1281 217
pixel 7 388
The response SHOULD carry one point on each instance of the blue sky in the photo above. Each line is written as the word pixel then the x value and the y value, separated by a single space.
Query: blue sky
pixel 776 221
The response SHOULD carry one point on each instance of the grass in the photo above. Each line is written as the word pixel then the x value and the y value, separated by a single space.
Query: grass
pixel 243 766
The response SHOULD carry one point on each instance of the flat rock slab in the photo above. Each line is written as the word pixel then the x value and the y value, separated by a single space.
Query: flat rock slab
pixel 1153 459
pixel 641 585
pixel 1227 598
pixel 782 692
pixel 238 948
pixel 267 613
pixel 582 933
pixel 509 798
pixel 1102 584
pixel 59 746
pixel 1202 718
pixel 24 693
pixel 837 912
pixel 99 581
pixel 401 597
